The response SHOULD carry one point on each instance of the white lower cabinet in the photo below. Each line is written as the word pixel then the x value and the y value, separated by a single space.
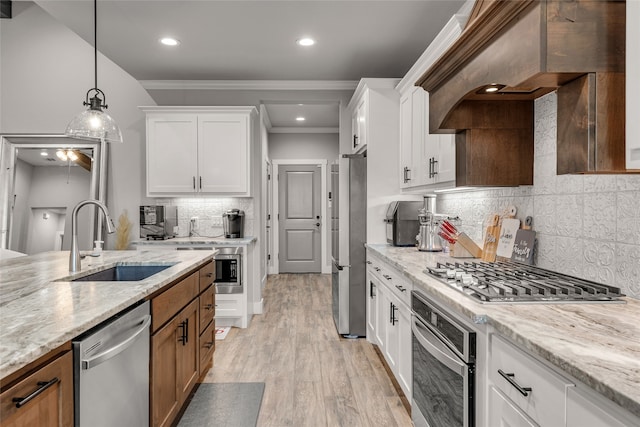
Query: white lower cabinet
pixel 535 389
pixel 389 320
pixel 504 413
pixel 584 410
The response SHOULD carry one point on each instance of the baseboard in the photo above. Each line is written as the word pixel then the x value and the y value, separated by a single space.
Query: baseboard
pixel 405 402
pixel 257 307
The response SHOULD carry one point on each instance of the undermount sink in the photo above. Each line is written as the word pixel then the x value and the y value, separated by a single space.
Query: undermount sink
pixel 124 273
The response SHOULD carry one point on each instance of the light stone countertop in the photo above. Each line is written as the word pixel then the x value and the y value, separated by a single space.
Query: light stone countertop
pixel 598 344
pixel 39 310
pixel 194 241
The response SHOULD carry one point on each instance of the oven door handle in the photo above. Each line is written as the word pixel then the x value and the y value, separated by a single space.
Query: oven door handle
pixel 437 349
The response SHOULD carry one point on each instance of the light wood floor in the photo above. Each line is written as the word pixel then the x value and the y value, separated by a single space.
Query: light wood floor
pixel 312 376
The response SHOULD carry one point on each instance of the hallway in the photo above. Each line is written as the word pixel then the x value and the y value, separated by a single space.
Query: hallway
pixel 313 377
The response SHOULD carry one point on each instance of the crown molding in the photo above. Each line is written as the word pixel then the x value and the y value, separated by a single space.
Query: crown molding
pixel 249 84
pixel 303 130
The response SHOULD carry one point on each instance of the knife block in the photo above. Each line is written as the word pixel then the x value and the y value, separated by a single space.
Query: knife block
pixel 458 251
pixel 464 245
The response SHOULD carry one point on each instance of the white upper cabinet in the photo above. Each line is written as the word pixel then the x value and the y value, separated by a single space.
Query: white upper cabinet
pixel 359 123
pixel 205 150
pixel 427 161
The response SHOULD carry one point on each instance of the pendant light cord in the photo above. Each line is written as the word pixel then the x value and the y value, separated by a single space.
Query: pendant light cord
pixel 95 42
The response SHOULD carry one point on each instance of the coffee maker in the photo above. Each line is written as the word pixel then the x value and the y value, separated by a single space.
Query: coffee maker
pixel 233 222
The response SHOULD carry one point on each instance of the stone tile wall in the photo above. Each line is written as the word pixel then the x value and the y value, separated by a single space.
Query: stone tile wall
pixel 587 225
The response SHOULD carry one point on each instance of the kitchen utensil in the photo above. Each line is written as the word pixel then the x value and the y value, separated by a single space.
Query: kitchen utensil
pixel 507 237
pixel 491 240
pixel 524 244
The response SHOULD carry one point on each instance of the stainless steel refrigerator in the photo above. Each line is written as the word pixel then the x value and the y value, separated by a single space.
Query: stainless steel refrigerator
pixel 349 232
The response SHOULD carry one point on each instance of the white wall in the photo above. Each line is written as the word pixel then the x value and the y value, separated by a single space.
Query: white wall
pixel 587 225
pixel 45 73
pixel 304 146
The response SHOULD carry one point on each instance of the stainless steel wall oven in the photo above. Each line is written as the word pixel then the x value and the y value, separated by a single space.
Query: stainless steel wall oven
pixel 228 276
pixel 443 353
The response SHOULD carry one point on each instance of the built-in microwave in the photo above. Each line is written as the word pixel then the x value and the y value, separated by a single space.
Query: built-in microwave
pixel 228 270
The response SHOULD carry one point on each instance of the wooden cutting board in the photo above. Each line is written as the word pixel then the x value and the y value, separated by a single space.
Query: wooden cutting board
pixel 508 230
pixel 491 240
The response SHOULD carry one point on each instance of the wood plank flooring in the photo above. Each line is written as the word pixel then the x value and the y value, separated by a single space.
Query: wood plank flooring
pixel 312 376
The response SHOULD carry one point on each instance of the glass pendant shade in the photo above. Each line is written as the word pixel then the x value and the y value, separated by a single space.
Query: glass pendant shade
pixel 94 124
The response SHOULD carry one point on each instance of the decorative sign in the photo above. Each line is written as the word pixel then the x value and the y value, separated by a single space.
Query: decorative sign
pixel 507 237
pixel 523 246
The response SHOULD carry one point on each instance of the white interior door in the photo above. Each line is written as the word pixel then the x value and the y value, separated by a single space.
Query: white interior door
pixel 300 225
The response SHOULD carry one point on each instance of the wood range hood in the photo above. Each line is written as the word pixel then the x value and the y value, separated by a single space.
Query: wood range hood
pixel 522 50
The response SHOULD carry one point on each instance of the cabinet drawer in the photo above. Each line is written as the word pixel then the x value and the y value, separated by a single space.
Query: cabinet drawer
pixel 53 406
pixel 171 301
pixel 228 306
pixel 510 368
pixel 399 286
pixel 207 346
pixel 207 307
pixel 206 276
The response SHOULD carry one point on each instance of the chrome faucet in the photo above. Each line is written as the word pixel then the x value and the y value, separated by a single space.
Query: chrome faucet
pixel 74 255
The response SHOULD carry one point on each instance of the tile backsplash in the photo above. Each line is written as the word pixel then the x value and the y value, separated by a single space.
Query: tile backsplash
pixel 209 213
pixel 587 225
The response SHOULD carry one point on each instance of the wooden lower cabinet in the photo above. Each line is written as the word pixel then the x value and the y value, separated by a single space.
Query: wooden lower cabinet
pixel 53 403
pixel 174 364
pixel 181 348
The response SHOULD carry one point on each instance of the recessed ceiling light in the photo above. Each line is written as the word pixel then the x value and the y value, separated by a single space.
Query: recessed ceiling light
pixel 306 41
pixel 44 153
pixel 491 89
pixel 300 119
pixel 169 41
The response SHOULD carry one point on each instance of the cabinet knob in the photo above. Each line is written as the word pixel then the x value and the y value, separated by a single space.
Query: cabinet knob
pixel 386 276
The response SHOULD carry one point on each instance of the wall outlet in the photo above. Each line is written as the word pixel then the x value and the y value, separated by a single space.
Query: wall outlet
pixel 194 222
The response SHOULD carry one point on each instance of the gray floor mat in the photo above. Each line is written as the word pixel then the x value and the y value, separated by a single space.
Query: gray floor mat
pixel 224 405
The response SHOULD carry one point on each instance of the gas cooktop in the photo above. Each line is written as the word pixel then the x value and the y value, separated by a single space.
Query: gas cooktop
pixel 503 282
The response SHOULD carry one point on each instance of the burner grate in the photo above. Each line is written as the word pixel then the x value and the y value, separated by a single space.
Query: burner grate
pixel 513 282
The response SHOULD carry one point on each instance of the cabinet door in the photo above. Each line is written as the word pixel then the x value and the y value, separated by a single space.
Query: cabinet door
pixel 503 413
pixel 382 316
pixel 359 123
pixel 372 314
pixel 223 153
pixel 419 130
pixel 165 399
pixel 582 411
pixel 52 406
pixel 406 149
pixel 172 147
pixel 446 166
pixel 187 354
pixel 405 370
pixel 392 349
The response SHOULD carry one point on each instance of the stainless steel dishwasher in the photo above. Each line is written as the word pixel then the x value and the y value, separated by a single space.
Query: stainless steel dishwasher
pixel 111 371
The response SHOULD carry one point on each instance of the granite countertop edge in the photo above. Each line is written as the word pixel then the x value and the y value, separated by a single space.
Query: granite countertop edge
pixel 509 320
pixel 41 309
pixel 187 241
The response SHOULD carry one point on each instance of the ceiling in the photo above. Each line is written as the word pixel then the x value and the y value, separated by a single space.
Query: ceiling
pixel 256 40
pixel 34 157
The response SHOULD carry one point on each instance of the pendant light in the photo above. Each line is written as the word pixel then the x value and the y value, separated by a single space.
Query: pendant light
pixel 94 123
